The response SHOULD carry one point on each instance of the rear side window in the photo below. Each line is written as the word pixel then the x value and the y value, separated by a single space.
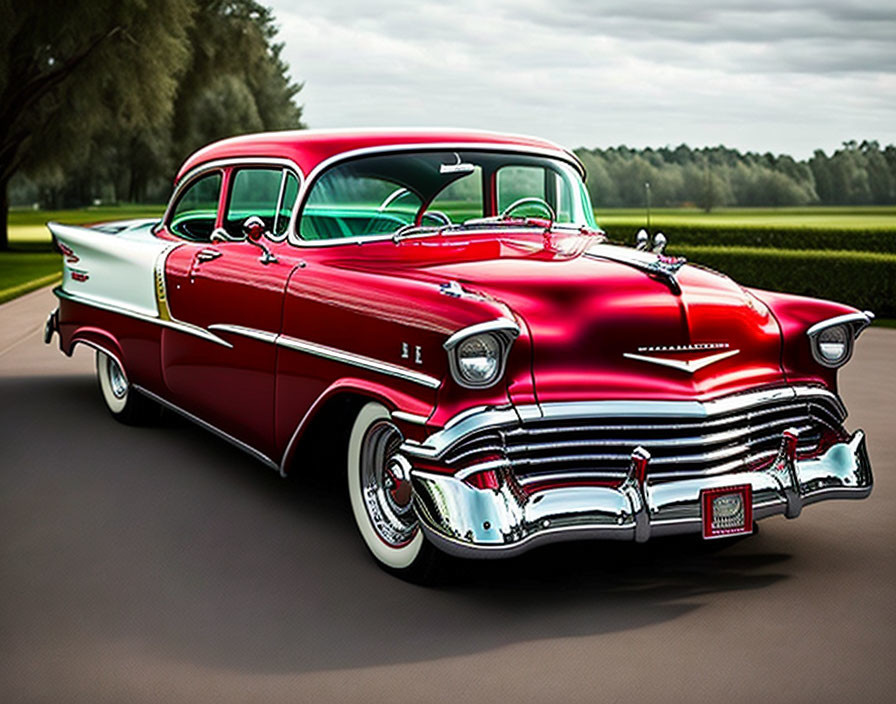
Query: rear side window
pixel 197 208
pixel 268 193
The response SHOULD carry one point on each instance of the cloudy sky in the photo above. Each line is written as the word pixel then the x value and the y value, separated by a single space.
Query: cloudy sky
pixel 758 75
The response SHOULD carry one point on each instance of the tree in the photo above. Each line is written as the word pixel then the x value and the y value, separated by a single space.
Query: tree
pixel 66 69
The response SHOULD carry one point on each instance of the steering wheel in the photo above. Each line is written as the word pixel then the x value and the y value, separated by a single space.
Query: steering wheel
pixel 506 213
pixel 436 215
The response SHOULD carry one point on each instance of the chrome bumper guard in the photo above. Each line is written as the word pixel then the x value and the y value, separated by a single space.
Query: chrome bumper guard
pixel 486 523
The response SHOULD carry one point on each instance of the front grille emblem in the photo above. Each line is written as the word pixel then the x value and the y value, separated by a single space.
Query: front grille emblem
pixel 688 366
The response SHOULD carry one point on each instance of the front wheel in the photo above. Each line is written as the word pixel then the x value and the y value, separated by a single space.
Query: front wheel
pixel 379 486
pixel 125 404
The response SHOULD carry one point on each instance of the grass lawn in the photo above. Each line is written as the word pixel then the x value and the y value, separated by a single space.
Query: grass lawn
pixel 834 218
pixel 28 226
pixel 21 272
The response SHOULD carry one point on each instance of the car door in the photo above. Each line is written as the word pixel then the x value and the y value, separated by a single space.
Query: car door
pixel 227 298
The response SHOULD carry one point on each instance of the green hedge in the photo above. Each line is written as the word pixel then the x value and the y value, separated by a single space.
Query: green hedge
pixel 865 280
pixel 803 238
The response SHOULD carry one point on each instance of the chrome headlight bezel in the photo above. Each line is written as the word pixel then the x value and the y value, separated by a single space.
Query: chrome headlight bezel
pixel 849 327
pixel 497 333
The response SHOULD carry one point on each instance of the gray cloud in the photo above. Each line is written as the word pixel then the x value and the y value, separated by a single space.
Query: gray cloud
pixel 758 75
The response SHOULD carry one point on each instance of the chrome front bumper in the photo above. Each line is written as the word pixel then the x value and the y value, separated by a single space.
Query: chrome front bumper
pixel 486 523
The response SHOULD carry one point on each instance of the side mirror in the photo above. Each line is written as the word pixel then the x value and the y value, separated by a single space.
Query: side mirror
pixel 254 230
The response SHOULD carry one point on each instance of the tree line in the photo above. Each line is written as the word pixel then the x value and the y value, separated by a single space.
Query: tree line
pixel 103 99
pixel 858 173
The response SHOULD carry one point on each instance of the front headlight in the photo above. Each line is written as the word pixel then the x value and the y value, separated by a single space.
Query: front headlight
pixel 832 340
pixel 478 359
pixel 477 354
pixel 833 345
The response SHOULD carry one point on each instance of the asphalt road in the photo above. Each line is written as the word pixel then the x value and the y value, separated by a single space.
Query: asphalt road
pixel 160 564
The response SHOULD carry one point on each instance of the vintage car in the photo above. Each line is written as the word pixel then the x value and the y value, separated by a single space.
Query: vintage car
pixel 437 316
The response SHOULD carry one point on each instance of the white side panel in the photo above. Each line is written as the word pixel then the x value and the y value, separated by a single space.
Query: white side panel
pixel 109 269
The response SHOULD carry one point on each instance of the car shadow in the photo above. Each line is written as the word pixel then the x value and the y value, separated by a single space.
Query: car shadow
pixel 170 537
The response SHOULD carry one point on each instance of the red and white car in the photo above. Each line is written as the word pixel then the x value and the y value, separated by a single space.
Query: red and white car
pixel 438 315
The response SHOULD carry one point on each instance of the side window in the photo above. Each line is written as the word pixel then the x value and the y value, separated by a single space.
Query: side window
pixel 196 210
pixel 459 201
pixel 344 204
pixel 288 192
pixel 254 191
pixel 515 182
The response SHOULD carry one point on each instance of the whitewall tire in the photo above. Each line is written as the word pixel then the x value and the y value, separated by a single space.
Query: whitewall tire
pixel 123 402
pixel 381 498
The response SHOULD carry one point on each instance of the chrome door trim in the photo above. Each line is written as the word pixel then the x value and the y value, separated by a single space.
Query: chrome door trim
pixel 358 360
pixel 257 454
pixel 187 328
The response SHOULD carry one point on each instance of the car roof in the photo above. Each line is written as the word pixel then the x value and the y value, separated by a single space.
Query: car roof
pixel 310 148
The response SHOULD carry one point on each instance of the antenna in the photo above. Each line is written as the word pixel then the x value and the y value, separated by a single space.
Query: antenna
pixel 647 196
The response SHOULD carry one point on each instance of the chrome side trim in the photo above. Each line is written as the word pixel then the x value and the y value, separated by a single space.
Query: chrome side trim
pixel 127 312
pixel 208 426
pixel 255 334
pixel 437 443
pixel 410 417
pixel 357 360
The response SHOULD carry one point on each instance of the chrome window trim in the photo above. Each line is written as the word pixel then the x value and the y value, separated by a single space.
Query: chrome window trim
pixel 357 360
pixel 439 442
pixel 220 164
pixel 305 186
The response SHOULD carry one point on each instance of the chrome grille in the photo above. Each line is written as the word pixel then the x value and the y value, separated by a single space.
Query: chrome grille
pixel 729 438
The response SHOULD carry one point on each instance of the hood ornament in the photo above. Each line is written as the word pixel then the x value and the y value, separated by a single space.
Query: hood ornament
pixel 688 366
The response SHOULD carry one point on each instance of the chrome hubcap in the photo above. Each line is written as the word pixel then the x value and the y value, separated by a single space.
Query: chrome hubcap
pixel 117 381
pixel 386 485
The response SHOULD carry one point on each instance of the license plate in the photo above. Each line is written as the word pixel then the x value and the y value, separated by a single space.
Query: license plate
pixel 727 511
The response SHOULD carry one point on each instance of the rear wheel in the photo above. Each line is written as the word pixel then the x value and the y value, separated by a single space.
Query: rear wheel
pixel 125 404
pixel 379 486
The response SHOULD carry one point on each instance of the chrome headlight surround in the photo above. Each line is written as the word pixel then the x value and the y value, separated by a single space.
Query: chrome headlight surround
pixel 494 337
pixel 832 340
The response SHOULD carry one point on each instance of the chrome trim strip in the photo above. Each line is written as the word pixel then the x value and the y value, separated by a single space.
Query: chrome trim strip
pixel 201 169
pixel 685 365
pixel 262 335
pixel 358 360
pixel 503 521
pixel 410 417
pixel 304 187
pixel 499 325
pixel 173 324
pixel 437 443
pixel 862 320
pixel 106 351
pixel 208 426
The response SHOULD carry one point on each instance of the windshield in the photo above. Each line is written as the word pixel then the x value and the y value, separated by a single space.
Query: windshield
pixel 377 195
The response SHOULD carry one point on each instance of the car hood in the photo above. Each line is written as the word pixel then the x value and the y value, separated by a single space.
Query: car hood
pixel 602 326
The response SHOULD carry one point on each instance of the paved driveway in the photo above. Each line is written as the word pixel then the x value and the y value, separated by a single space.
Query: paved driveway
pixel 160 564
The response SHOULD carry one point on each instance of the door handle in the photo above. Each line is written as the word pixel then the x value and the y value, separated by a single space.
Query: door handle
pixel 206 255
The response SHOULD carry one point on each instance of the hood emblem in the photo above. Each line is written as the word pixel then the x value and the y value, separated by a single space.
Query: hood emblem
pixel 685 365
